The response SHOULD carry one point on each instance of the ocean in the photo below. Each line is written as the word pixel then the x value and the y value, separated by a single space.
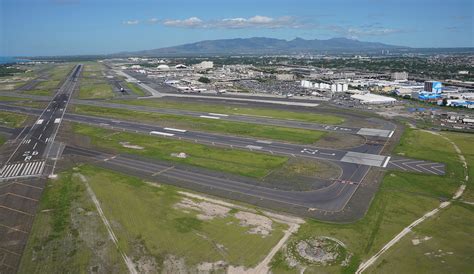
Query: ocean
pixel 7 59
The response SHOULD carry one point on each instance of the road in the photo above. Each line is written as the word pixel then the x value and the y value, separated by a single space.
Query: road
pixel 29 157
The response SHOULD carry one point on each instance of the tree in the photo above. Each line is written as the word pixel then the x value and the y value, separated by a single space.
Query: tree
pixel 204 80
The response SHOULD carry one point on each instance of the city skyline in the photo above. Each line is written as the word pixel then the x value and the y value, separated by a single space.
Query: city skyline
pixel 69 27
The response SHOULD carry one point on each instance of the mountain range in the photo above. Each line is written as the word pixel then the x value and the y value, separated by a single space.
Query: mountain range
pixel 263 45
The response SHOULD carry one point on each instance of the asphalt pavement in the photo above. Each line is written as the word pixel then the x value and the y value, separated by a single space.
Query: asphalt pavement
pixel 29 157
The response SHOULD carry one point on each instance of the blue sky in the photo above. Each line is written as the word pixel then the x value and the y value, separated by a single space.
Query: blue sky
pixel 67 27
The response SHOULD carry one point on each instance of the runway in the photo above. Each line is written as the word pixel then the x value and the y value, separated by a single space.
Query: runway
pixel 29 157
pixel 366 154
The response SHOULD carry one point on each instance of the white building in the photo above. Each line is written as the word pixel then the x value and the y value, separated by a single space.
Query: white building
pixel 369 98
pixel 400 76
pixel 285 77
pixel 204 65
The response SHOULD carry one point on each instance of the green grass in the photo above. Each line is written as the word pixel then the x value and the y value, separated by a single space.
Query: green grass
pixel 135 89
pixel 146 215
pixel 451 231
pixel 3 139
pixel 401 199
pixel 10 99
pixel 49 85
pixel 302 136
pixel 40 92
pixel 267 112
pixel 10 119
pixel 67 233
pixel 465 142
pixel 234 161
pixel 96 91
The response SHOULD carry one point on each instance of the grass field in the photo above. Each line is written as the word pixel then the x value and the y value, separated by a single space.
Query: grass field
pixel 67 233
pixel 10 119
pixel 145 209
pixel 10 98
pixel 150 227
pixel 3 139
pixel 92 83
pixel 465 142
pixel 267 112
pixel 445 245
pixel 191 123
pixel 234 161
pixel 95 91
pixel 135 89
pixel 402 198
pixel 40 92
pixel 57 74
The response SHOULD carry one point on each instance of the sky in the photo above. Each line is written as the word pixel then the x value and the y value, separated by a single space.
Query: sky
pixel 78 27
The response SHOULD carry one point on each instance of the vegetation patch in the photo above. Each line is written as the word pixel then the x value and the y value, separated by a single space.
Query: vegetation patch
pixel 12 120
pixel 226 109
pixel 234 161
pixel 402 198
pixel 295 135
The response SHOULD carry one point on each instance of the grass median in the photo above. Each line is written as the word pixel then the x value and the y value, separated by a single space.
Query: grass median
pixel 263 112
pixel 135 89
pixel 244 163
pixel 301 136
pixel 10 119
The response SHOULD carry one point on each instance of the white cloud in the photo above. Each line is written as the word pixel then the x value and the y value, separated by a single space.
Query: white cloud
pixel 192 22
pixel 257 21
pixel 153 20
pixel 362 31
pixel 131 22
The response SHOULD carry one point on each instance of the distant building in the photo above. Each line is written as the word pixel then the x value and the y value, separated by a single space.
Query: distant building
pixel 285 77
pixel 463 72
pixel 433 86
pixel 369 98
pixel 163 67
pixel 400 76
pixel 204 65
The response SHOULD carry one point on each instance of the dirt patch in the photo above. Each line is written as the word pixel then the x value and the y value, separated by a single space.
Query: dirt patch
pixel 339 140
pixel 174 264
pixel 322 251
pixel 417 241
pixel 128 145
pixel 206 267
pixel 207 210
pixel 259 224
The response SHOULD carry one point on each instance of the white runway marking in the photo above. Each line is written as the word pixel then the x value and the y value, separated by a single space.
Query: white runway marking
pixel 161 133
pixel 209 117
pixel 218 114
pixel 175 129
pixel 16 170
pixel 386 162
